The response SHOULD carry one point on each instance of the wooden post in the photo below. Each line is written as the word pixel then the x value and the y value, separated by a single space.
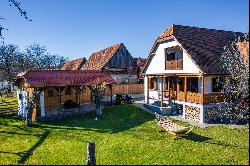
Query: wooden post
pixel 148 84
pixel 202 89
pixel 162 91
pixel 178 87
pixel 91 154
pixel 185 89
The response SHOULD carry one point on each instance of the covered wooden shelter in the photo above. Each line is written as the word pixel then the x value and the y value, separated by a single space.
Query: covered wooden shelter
pixel 56 87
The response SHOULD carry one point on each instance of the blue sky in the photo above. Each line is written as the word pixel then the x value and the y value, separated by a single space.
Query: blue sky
pixel 76 28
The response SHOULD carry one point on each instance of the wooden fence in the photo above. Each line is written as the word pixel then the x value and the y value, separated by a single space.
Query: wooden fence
pixel 85 96
pixel 126 88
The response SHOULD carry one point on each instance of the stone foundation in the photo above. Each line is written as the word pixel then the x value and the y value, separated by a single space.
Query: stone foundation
pixel 192 113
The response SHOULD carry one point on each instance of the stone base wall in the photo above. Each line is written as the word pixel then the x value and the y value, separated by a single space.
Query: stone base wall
pixel 192 113
pixel 214 112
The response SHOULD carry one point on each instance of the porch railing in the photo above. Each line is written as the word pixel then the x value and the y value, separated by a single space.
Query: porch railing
pixel 214 97
pixel 196 97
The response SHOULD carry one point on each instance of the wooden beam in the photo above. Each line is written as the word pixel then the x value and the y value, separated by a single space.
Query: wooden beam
pixel 148 84
pixel 162 91
pixel 185 89
pixel 202 89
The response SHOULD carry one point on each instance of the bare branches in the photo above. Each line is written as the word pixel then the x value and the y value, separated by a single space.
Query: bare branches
pixel 17 5
pixel 22 12
pixel 237 84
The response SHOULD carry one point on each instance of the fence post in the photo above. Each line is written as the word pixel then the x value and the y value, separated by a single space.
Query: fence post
pixel 91 153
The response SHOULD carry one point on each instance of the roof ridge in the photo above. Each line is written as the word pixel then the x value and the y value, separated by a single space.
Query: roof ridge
pixel 119 45
pixel 178 25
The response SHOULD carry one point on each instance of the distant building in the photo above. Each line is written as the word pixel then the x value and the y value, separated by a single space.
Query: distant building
pixel 74 64
pixel 116 61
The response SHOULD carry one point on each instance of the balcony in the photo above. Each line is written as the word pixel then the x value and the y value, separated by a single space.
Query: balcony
pixel 174 65
pixel 196 97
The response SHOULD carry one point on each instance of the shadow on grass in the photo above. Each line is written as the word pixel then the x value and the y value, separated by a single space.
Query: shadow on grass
pixel 196 137
pixel 25 155
pixel 113 120
pixel 199 138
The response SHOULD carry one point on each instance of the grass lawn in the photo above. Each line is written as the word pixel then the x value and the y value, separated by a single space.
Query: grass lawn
pixel 124 135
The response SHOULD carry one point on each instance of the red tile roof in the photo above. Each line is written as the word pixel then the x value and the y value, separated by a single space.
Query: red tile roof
pixel 42 78
pixel 99 59
pixel 203 45
pixel 73 65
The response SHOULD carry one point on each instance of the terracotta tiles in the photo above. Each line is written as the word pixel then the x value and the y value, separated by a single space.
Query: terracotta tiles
pixel 99 59
pixel 203 45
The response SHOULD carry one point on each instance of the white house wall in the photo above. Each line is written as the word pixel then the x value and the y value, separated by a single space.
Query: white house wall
pixel 208 85
pixel 157 62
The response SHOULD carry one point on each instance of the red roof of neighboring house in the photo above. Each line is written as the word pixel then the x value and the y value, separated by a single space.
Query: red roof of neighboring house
pixel 203 45
pixel 42 78
pixel 73 65
pixel 99 59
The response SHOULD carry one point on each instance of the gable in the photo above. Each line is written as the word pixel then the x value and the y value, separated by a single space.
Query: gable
pixel 121 59
pixel 99 59
pixel 205 46
pixel 156 64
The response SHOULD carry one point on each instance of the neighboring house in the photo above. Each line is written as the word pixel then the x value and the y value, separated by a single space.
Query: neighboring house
pixel 76 64
pixel 116 61
pixel 184 71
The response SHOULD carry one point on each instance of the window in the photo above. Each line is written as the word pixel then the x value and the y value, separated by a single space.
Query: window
pixel 68 91
pixel 217 85
pixel 50 93
pixel 192 85
pixel 153 83
pixel 170 56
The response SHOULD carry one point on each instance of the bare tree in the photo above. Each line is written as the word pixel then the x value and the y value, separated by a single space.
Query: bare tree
pixel 39 58
pixel 98 90
pixel 9 57
pixel 12 61
pixel 237 83
pixel 23 13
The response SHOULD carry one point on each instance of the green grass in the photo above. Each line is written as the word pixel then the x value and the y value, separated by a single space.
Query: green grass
pixel 124 135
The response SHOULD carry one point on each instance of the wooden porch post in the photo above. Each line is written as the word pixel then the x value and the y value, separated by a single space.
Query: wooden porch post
pixel 148 84
pixel 202 89
pixel 178 87
pixel 162 91
pixel 185 89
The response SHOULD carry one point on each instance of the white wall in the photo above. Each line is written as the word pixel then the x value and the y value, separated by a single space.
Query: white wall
pixel 208 85
pixel 157 62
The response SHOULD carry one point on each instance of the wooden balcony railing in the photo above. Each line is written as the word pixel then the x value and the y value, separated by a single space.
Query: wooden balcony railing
pixel 174 65
pixel 214 97
pixel 181 96
pixel 194 97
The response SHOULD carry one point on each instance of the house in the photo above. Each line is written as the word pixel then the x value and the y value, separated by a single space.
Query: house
pixel 183 72
pixel 59 91
pixel 75 64
pixel 116 61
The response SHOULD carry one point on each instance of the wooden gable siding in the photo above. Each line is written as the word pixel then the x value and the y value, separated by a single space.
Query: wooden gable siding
pixel 121 59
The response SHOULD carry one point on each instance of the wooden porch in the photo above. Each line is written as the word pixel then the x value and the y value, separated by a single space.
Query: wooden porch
pixel 178 88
